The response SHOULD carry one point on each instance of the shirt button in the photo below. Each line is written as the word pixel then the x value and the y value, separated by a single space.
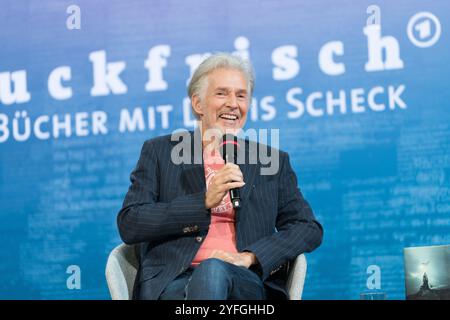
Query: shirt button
pixel 198 239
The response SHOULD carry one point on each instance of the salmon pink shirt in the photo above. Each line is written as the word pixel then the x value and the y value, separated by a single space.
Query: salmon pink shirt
pixel 222 233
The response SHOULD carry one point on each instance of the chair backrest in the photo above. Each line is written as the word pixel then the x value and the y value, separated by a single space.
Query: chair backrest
pixel 121 269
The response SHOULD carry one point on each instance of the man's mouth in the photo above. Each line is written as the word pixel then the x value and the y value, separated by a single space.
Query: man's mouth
pixel 228 116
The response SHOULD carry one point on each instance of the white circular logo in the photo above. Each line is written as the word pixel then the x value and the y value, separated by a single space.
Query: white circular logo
pixel 424 29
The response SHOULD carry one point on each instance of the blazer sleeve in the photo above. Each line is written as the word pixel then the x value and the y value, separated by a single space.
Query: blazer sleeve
pixel 144 219
pixel 297 229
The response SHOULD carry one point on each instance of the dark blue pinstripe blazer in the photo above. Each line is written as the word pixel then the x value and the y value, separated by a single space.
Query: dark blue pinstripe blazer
pixel 164 212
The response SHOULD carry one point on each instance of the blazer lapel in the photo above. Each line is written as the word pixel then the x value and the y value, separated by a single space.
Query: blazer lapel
pixel 249 171
pixel 193 173
pixel 193 178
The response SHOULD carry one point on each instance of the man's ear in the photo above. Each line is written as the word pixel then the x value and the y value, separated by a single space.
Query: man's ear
pixel 196 105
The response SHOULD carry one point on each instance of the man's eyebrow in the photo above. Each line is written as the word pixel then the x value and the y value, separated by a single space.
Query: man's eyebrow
pixel 228 89
pixel 222 89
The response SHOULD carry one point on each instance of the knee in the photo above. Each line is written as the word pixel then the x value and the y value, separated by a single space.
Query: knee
pixel 213 268
pixel 211 278
pixel 213 264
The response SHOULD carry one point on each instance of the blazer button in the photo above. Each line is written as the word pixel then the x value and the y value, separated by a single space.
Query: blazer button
pixel 198 239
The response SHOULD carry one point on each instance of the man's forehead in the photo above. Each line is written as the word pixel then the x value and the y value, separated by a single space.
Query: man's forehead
pixel 227 79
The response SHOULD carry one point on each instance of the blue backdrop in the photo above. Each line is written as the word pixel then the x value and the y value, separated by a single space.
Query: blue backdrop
pixel 358 89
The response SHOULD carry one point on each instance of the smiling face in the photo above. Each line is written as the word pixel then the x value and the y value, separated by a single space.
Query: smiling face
pixel 225 102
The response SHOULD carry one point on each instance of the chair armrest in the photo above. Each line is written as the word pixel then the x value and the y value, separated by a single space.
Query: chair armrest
pixel 121 271
pixel 296 278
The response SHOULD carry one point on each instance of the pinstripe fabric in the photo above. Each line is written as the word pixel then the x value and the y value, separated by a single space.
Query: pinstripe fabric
pixel 164 212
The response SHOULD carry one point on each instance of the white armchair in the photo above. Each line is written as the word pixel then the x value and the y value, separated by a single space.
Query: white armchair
pixel 122 265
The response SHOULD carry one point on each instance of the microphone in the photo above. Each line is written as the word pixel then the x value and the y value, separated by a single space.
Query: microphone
pixel 228 149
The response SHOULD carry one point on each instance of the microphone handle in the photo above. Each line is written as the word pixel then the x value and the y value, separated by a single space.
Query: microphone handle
pixel 235 198
pixel 235 195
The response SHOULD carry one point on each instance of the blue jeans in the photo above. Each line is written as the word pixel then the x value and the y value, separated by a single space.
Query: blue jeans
pixel 215 279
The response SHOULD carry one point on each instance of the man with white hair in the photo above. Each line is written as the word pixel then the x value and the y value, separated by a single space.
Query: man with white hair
pixel 193 243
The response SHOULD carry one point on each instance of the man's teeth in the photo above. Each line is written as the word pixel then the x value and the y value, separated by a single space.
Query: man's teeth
pixel 228 116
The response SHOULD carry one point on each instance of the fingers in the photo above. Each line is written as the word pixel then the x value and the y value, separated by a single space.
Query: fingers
pixel 232 185
pixel 221 189
pixel 219 254
pixel 233 258
pixel 231 173
pixel 223 255
pixel 230 178
pixel 231 167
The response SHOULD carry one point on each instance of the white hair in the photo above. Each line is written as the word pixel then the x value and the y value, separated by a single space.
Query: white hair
pixel 199 81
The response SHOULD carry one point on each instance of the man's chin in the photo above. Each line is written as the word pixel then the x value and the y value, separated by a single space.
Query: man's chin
pixel 230 128
pixel 224 129
pixel 219 129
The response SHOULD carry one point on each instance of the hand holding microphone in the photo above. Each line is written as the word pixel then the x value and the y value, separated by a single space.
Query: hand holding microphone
pixel 227 179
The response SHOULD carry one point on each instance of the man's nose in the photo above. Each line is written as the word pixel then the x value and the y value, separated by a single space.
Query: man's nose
pixel 232 101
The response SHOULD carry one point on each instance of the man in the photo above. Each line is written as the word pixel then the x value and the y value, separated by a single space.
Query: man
pixel 192 243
